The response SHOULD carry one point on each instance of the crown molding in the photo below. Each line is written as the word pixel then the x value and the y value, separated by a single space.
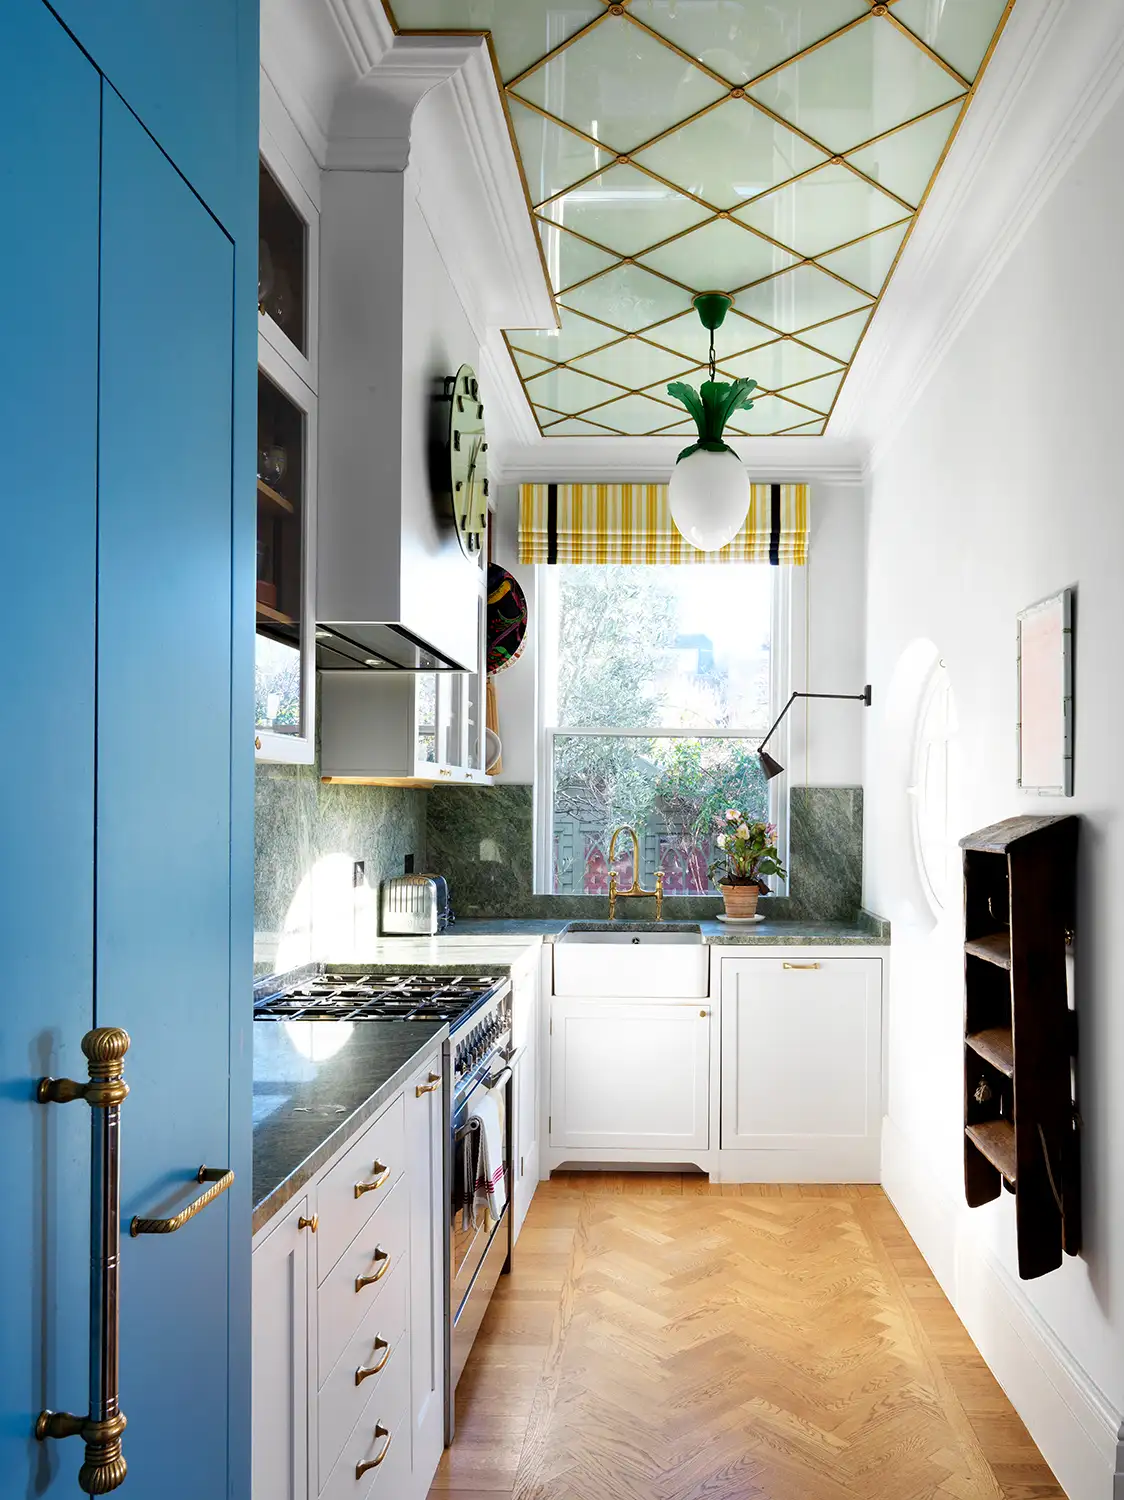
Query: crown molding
pixel 1056 70
pixel 649 460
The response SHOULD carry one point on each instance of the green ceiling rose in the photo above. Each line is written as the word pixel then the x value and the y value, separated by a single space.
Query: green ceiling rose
pixel 715 402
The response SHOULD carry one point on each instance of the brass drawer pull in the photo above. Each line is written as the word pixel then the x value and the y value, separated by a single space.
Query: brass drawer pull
pixel 801 966
pixel 373 1463
pixel 382 1260
pixel 381 1174
pixel 430 1087
pixel 364 1371
pixel 313 1223
pixel 220 1179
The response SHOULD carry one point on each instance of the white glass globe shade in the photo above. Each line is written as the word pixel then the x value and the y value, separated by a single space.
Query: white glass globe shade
pixel 709 496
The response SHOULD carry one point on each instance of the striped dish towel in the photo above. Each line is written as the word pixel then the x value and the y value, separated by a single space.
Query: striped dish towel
pixel 491 1185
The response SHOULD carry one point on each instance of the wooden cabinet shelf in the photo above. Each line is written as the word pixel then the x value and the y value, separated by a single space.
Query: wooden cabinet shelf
pixel 270 495
pixel 995 1046
pixel 996 1140
pixel 266 613
pixel 1020 1116
pixel 994 948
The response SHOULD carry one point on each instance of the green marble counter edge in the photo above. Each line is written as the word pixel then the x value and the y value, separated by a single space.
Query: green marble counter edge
pixel 340 1131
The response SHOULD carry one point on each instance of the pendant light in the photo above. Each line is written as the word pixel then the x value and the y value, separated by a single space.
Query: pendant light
pixel 709 489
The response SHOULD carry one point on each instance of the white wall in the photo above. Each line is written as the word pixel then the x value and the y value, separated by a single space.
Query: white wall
pixel 825 748
pixel 1003 486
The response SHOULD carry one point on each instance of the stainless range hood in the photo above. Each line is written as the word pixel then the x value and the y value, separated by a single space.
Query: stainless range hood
pixel 374 648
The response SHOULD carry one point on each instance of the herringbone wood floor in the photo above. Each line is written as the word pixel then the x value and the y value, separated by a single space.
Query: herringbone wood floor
pixel 660 1339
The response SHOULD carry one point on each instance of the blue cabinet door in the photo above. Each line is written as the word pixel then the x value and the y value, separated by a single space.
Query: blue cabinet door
pixel 182 65
pixel 49 141
pixel 164 786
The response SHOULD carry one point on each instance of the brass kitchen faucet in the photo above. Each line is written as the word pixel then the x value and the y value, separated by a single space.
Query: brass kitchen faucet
pixel 636 888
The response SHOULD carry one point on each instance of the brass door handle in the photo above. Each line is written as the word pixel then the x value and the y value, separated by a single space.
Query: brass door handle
pixel 373 1463
pixel 313 1223
pixel 801 966
pixel 381 1258
pixel 220 1179
pixel 381 1174
pixel 364 1371
pixel 101 1429
pixel 430 1087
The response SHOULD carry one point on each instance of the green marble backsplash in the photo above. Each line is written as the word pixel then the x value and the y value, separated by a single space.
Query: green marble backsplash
pixel 307 839
pixel 482 839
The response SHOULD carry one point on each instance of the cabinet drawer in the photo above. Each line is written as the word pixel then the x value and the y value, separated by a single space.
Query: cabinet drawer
pixel 383 1427
pixel 382 1244
pixel 381 1336
pixel 347 1197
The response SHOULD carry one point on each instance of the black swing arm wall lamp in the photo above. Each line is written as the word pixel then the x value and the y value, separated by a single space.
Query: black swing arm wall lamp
pixel 772 767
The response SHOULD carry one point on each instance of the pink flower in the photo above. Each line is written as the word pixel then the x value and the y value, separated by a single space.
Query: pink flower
pixel 732 815
pixel 742 831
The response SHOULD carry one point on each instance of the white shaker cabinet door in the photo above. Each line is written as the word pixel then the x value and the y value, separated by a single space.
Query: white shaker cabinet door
pixel 281 1392
pixel 425 1167
pixel 630 1074
pixel 801 1052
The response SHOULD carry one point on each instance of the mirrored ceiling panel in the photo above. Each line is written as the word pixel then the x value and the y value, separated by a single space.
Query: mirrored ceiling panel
pixel 776 150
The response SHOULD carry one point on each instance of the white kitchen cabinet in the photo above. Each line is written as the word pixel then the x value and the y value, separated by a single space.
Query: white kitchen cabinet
pixel 397 728
pixel 630 1075
pixel 525 1040
pixel 426 1133
pixel 282 1387
pixel 285 644
pixel 349 1344
pixel 801 1064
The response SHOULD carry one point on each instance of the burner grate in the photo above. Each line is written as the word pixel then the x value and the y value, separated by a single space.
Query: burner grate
pixel 381 997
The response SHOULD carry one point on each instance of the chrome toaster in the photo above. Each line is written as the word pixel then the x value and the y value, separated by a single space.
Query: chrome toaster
pixel 414 905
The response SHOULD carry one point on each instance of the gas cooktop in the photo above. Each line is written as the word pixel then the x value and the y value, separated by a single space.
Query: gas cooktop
pixel 380 997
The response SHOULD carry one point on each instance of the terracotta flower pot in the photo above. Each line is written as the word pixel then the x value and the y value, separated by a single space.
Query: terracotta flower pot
pixel 741 900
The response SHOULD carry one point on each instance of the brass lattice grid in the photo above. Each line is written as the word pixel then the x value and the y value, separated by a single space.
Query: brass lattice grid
pixel 869 301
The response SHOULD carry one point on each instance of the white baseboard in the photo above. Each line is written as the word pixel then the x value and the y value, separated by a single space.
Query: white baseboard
pixel 1078 1431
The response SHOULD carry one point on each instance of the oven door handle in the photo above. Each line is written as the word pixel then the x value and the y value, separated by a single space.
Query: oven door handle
pixel 512 1059
pixel 499 1081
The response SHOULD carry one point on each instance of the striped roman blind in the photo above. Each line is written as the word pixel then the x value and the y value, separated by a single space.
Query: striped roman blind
pixel 631 523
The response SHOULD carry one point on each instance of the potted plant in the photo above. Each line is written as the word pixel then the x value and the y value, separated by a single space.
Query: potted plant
pixel 749 852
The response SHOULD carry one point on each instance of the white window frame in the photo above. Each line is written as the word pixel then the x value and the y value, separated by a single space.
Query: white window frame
pixel 789 585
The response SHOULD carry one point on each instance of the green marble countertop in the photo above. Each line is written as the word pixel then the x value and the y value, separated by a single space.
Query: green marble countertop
pixel 863 932
pixel 316 1083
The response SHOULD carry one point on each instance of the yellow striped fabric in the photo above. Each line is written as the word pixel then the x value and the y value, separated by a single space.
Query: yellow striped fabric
pixel 631 523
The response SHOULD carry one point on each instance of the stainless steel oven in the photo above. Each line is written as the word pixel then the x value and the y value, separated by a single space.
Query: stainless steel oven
pixel 480 1242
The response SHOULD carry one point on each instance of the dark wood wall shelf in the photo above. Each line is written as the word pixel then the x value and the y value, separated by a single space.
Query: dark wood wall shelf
pixel 1020 1118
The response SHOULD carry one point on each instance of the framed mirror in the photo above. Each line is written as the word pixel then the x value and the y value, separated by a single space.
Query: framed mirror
pixel 1045 706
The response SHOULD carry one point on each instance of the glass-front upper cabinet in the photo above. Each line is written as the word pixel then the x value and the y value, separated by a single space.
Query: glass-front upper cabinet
pixel 284 656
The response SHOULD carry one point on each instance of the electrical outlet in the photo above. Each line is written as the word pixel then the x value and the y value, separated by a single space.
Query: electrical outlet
pixel 359 873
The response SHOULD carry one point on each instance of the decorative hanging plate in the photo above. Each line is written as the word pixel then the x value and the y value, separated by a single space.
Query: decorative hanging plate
pixel 507 618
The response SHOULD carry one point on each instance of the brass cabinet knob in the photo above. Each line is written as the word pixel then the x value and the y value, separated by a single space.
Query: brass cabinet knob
pixel 381 1174
pixel 704 1014
pixel 257 741
pixel 313 1223
pixel 430 1087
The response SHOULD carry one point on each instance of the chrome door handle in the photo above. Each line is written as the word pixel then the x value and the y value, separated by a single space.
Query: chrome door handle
pixel 373 1463
pixel 381 1258
pixel 381 1175
pixel 220 1179
pixel 364 1371
pixel 104 1467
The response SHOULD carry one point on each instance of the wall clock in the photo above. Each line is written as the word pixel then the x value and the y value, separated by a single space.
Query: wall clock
pixel 468 463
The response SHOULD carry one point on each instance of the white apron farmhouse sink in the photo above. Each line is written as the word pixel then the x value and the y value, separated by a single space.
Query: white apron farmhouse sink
pixel 626 963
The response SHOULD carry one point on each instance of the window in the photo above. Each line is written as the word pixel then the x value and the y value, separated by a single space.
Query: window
pixel 657 684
